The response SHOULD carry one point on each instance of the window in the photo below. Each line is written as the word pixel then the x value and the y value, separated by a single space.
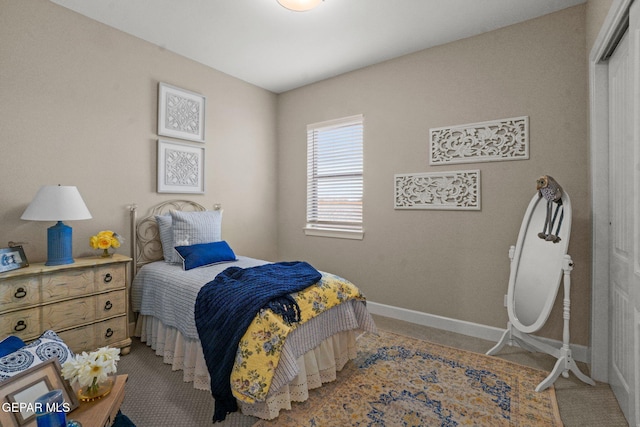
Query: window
pixel 334 178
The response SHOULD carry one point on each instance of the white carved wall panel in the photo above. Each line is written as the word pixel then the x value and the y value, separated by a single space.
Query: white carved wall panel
pixel 505 139
pixel 457 190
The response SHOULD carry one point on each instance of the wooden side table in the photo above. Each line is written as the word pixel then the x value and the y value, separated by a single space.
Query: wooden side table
pixel 102 412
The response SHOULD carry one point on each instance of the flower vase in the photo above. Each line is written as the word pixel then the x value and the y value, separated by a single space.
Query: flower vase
pixel 96 390
pixel 106 254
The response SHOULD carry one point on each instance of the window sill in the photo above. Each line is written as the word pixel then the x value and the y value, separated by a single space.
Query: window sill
pixel 335 233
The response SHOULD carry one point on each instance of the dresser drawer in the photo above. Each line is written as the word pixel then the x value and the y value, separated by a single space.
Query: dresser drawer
pixel 110 304
pixel 79 339
pixel 91 337
pixel 68 283
pixel 70 313
pixel 110 277
pixel 111 331
pixel 19 292
pixel 24 323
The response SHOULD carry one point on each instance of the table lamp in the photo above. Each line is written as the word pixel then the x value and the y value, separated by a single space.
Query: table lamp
pixel 57 203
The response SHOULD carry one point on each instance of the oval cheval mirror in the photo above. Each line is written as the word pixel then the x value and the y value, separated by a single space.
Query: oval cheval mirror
pixel 539 262
pixel 536 269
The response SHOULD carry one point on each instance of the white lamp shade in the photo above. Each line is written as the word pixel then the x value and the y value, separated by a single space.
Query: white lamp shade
pixel 299 5
pixel 57 203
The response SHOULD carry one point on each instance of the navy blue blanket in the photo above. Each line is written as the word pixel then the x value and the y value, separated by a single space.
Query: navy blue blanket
pixel 226 306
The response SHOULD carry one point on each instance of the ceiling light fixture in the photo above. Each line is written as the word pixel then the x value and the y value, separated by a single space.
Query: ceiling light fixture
pixel 299 5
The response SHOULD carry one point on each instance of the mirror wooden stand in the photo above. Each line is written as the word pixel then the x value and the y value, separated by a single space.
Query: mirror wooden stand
pixel 537 267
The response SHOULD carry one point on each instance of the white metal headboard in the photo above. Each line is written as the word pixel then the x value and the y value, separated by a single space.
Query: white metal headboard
pixel 145 236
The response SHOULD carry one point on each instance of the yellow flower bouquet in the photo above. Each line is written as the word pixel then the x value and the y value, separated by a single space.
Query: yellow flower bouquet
pixel 105 240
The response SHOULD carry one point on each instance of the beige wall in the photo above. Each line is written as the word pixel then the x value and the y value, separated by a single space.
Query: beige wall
pixel 451 263
pixel 79 107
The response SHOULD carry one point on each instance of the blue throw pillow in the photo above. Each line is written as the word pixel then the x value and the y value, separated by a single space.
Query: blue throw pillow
pixel 204 254
pixel 10 344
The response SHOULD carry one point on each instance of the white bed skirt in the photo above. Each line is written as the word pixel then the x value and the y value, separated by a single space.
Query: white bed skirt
pixel 315 367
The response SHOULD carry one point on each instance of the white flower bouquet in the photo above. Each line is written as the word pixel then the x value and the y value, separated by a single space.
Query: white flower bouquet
pixel 91 370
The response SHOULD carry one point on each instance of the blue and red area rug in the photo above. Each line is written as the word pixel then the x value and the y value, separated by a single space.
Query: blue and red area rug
pixel 401 381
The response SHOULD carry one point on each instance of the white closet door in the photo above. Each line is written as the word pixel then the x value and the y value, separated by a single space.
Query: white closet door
pixel 624 208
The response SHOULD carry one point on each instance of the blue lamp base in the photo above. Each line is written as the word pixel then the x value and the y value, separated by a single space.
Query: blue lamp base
pixel 59 245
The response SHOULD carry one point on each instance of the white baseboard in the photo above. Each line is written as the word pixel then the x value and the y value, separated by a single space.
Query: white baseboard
pixel 489 333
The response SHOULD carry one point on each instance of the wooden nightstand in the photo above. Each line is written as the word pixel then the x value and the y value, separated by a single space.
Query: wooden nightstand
pixel 85 303
pixel 102 412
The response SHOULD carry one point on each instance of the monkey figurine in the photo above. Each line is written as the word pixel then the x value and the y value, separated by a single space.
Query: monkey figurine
pixel 552 192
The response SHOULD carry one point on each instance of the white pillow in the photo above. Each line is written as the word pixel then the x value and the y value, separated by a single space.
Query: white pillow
pixel 166 238
pixel 191 228
pixel 47 346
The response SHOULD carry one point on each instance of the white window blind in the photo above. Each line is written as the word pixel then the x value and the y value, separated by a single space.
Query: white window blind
pixel 334 177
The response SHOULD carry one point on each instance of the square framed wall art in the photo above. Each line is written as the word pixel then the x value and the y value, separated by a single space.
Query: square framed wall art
pixel 180 167
pixel 180 113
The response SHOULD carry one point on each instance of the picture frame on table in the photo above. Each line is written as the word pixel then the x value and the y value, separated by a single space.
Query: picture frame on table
pixel 12 258
pixel 181 113
pixel 180 167
pixel 19 393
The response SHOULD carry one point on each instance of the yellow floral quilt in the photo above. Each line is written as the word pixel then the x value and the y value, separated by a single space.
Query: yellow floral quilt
pixel 260 348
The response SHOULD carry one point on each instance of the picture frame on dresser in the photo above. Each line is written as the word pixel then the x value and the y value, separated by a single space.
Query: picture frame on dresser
pixel 19 393
pixel 12 258
pixel 181 113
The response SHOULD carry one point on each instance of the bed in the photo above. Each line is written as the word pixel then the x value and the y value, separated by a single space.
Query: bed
pixel 164 294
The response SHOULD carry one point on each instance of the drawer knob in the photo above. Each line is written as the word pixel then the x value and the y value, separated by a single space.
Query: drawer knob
pixel 20 293
pixel 20 326
pixel 108 305
pixel 109 333
pixel 108 278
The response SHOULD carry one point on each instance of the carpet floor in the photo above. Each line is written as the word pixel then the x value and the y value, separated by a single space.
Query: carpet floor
pixel 157 397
